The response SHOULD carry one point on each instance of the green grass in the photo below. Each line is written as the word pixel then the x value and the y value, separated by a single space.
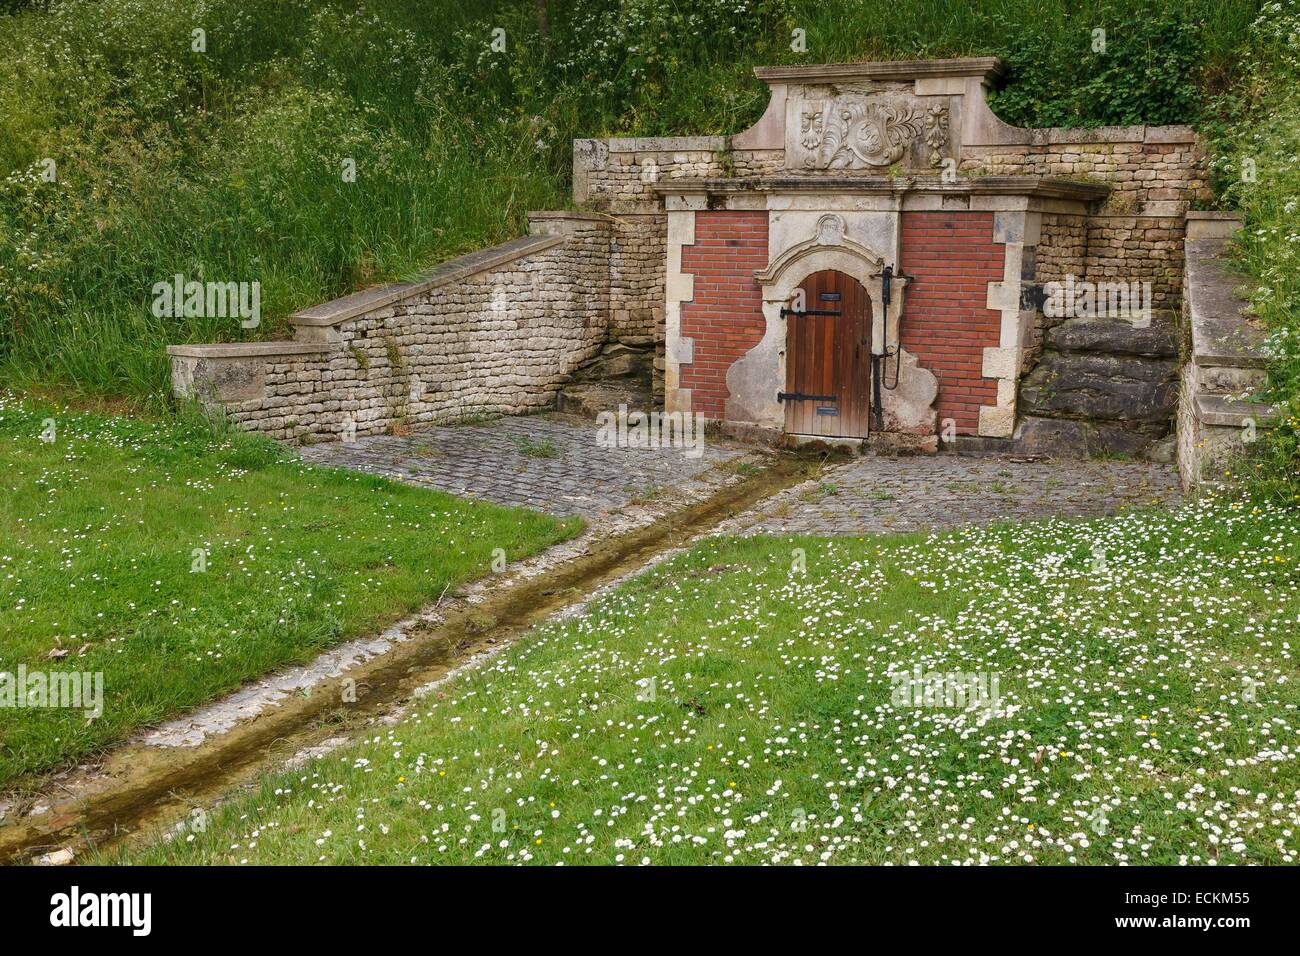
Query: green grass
pixel 735 705
pixel 180 562
pixel 537 449
pixel 228 163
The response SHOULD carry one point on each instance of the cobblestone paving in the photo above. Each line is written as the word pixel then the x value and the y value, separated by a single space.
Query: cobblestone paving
pixel 869 495
pixel 545 462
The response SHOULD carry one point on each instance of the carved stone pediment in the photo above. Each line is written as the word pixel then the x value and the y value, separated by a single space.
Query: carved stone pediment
pixel 854 128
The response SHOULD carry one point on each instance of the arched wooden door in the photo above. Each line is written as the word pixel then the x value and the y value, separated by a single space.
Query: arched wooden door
pixel 828 358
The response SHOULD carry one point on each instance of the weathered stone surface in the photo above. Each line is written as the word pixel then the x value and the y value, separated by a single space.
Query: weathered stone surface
pixel 1098 386
pixel 618 360
pixel 219 379
pixel 1163 452
pixel 1157 340
pixel 1069 438
pixel 909 408
pixel 589 399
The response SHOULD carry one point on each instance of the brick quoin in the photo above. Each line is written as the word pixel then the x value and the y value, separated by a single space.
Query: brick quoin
pixel 946 325
pixel 725 317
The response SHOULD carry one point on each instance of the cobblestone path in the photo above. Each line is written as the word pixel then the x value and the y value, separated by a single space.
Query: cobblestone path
pixel 544 462
pixel 870 495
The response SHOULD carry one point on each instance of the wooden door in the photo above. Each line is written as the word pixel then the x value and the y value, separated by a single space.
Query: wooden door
pixel 828 359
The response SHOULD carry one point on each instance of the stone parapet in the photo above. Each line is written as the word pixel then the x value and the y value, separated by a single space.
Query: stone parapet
pixel 497 331
pixel 1226 364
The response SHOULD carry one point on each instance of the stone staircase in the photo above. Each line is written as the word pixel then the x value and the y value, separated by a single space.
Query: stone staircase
pixel 1226 364
pixel 1104 385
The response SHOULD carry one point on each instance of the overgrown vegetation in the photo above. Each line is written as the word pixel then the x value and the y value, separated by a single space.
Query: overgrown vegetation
pixel 1256 139
pixel 133 148
pixel 179 561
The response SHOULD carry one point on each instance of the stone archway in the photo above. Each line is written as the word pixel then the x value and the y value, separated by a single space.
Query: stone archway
pixel 753 380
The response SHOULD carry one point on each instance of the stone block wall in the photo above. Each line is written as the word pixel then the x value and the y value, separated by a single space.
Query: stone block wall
pixel 495 332
pixel 1156 173
pixel 618 177
pixel 1142 164
pixel 638 249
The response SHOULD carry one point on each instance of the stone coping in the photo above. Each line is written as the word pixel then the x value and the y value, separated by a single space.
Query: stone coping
pixel 1038 136
pixel 1211 224
pixel 243 350
pixel 884 185
pixel 1221 334
pixel 1224 412
pixel 340 310
pixel 985 67
pixel 1087 136
pixel 564 214
pixel 666 144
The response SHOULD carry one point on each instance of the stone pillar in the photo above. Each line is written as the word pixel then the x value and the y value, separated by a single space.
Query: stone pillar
pixel 678 288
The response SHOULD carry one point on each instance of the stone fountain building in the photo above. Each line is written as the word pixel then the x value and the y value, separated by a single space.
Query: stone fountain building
pixel 878 259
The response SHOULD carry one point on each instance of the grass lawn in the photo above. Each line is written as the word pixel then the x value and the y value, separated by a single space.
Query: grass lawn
pixel 737 705
pixel 180 563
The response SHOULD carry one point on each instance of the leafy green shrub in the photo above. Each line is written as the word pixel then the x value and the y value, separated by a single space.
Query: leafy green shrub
pixel 1141 69
pixel 1255 138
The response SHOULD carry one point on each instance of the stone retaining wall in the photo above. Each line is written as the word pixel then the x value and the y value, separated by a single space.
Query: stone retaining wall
pixel 500 331
pixel 1156 174
pixel 495 332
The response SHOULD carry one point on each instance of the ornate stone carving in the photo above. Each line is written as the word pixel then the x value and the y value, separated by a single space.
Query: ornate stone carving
pixel 852 131
pixel 830 230
pixel 936 132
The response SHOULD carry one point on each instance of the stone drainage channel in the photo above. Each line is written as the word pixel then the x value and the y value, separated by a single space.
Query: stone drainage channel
pixel 138 789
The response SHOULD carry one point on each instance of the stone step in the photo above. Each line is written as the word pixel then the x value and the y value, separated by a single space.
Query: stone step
pixel 1223 412
pixel 617 360
pixel 589 399
pixel 1226 379
pixel 1152 336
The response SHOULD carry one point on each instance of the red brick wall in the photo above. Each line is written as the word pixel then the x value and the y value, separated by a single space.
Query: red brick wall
pixel 951 254
pixel 725 317
pixel 945 325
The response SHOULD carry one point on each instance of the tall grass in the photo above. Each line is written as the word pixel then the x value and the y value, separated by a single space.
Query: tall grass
pixel 1255 138
pixel 227 164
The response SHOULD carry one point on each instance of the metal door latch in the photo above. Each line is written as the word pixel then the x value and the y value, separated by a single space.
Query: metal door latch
pixel 785 311
pixel 802 397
